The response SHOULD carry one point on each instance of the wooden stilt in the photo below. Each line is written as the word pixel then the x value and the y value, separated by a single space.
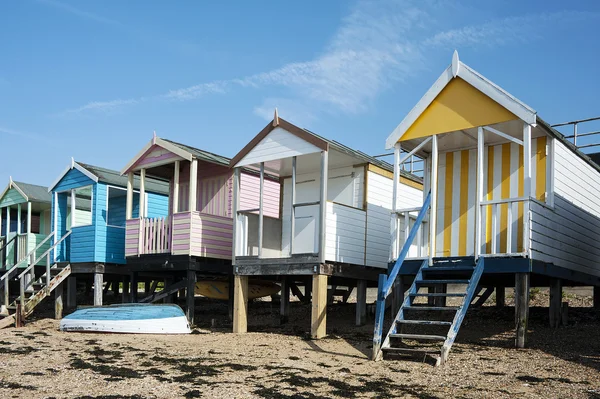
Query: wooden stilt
pixel 521 308
pixel 98 281
pixel 58 302
pixel 115 287
pixel 134 287
pixel 240 304
pixel 231 295
pixel 71 292
pixel 440 301
pixel 430 300
pixel 107 287
pixel 319 306
pixel 125 292
pixel 555 302
pixel 397 295
pixel 146 287
pixel 284 303
pixel 361 302
pixel 190 296
pixel 500 296
pixel 596 297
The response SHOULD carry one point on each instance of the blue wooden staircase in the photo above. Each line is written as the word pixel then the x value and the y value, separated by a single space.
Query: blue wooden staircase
pixel 418 328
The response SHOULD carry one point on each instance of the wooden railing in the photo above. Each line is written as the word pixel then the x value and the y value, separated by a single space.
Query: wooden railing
pixel 155 235
pixel 505 210
pixel 404 223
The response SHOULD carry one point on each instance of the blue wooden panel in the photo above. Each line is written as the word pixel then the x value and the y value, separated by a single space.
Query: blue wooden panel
pixel 127 312
pixel 158 205
pixel 82 244
pixel 73 179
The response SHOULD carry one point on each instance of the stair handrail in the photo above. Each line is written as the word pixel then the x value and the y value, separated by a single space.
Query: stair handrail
pixel 386 282
pixel 5 246
pixel 53 246
pixel 15 267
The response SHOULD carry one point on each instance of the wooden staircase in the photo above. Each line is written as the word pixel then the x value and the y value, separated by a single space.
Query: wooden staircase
pixel 33 288
pixel 419 328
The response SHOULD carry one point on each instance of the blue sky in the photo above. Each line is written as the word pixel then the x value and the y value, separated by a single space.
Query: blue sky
pixel 93 79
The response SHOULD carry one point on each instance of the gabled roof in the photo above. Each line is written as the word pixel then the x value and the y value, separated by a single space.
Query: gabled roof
pixel 459 70
pixel 319 141
pixel 184 151
pixel 113 177
pixel 30 192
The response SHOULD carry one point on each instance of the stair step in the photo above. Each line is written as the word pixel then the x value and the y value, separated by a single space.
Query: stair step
pixel 425 322
pixel 434 308
pixel 425 282
pixel 411 350
pixel 449 269
pixel 419 337
pixel 439 294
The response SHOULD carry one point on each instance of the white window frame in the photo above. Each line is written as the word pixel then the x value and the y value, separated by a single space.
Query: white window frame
pixel 91 206
pixel 108 187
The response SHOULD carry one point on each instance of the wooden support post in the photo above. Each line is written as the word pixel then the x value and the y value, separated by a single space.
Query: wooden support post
pixel 175 199
pixel 555 302
pixel 395 187
pixel 521 308
pixel 125 293
pixel 361 302
pixel 565 313
pixel 134 287
pixel 284 303
pixel 142 211
pixel 433 190
pixel 261 193
pixel 194 185
pixel 146 287
pixel 430 299
pixel 190 308
pixel 236 248
pixel 240 304
pixel 500 296
pixel 129 198
pixel 166 283
pixel 440 301
pixel 526 185
pixel 19 219
pixel 397 296
pixel 596 297
pixel 319 306
pixel 231 290
pixel 58 301
pixel 71 292
pixel 98 281
pixel 29 219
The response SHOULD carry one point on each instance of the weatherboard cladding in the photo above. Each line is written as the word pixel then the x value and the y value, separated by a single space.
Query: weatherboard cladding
pixel 12 197
pixel 114 178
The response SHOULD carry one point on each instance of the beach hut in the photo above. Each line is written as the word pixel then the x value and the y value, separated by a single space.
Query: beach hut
pixel 507 201
pixel 88 219
pixel 333 228
pixel 193 244
pixel 25 222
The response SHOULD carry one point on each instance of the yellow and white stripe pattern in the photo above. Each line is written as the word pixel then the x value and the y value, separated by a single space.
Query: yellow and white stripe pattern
pixel 503 179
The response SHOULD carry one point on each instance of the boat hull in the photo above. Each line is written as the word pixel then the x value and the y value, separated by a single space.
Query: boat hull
pixel 219 289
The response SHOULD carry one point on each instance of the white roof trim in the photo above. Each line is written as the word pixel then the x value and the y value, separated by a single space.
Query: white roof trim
pixel 161 143
pixel 487 87
pixel 14 185
pixel 73 165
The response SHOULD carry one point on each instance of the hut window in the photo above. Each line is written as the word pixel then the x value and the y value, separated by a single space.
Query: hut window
pixel 83 207
pixel 116 205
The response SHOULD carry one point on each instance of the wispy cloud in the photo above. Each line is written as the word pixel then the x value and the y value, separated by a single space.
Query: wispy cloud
pixel 378 44
pixel 104 106
pixel 23 134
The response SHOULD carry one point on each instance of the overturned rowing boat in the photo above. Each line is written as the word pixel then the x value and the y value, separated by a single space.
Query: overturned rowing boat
pixel 129 319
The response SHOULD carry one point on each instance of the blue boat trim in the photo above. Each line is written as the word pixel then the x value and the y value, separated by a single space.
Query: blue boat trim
pixel 127 312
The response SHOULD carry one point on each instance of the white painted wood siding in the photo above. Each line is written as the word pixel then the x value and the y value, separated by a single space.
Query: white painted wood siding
pixel 345 234
pixel 380 194
pixel 278 144
pixel 566 236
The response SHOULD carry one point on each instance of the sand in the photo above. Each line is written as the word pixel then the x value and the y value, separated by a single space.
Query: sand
pixel 279 361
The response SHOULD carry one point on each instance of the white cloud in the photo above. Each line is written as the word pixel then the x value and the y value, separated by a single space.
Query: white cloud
pixel 104 106
pixel 378 44
pixel 293 111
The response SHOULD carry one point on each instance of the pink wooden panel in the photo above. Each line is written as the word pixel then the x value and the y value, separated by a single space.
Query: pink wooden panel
pixel 213 236
pixel 132 227
pixel 249 193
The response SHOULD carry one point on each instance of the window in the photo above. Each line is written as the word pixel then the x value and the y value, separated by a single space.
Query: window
pixel 184 197
pixel 83 206
pixel 117 204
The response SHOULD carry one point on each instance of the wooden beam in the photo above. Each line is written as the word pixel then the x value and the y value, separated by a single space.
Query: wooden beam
pixel 98 281
pixel 129 198
pixel 237 249
pixel 308 291
pixel 166 293
pixel 323 205
pixel 175 198
pixel 190 296
pixel 29 220
pixel 433 188
pixel 261 194
pixel 284 304
pixel 361 302
pixel 296 291
pixel 526 184
pixel 503 135
pixel 555 305
pixel 521 308
pixel 194 185
pixel 142 211
pixel 240 304
pixel 71 292
pixel 500 296
pixel 58 302
pixel 319 306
